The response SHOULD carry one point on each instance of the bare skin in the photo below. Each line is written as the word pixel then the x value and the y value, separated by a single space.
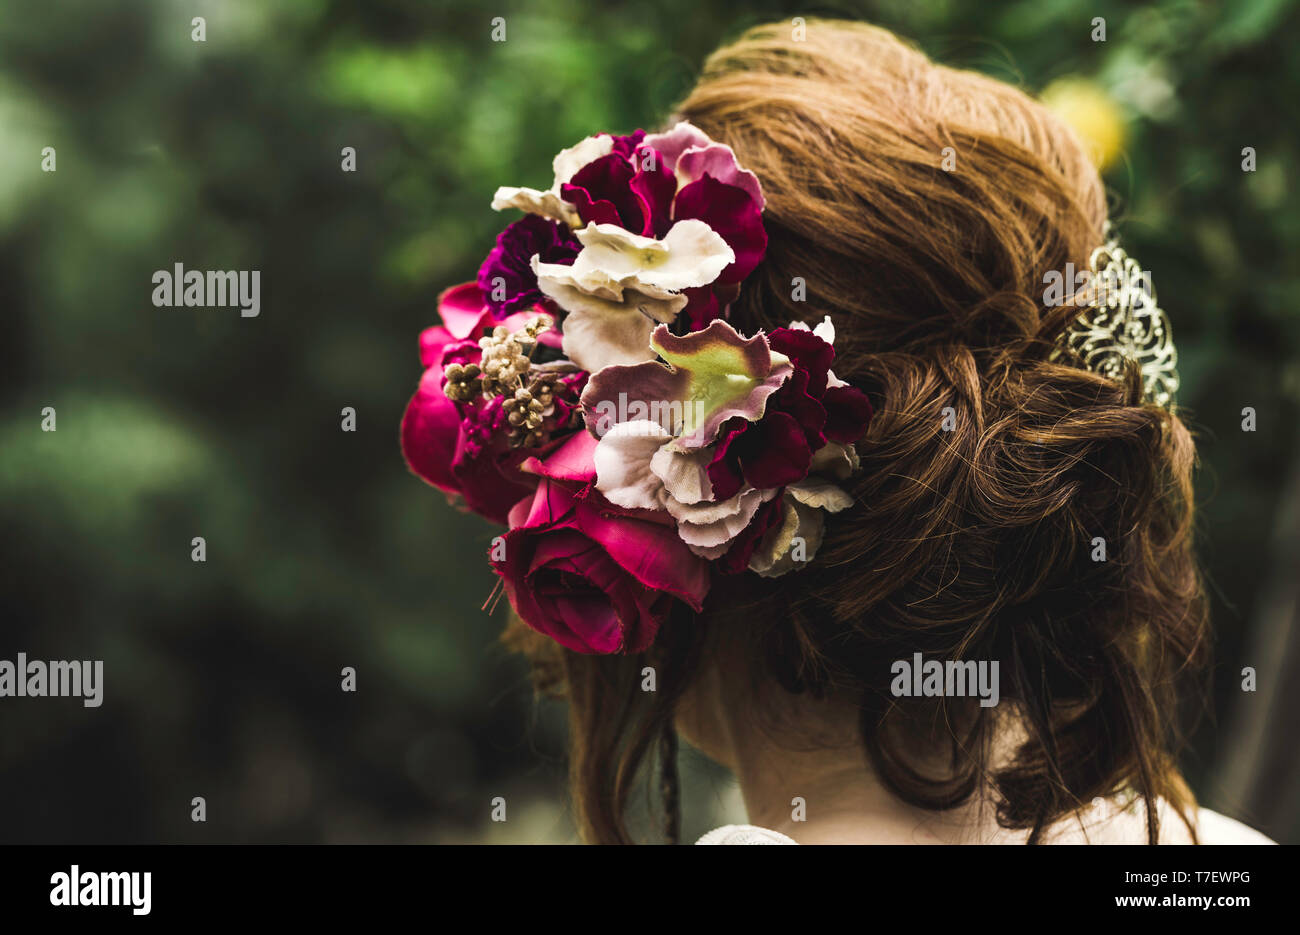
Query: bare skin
pixel 846 804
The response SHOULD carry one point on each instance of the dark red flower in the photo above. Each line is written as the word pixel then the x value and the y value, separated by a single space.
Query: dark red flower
pixel 506 278
pixel 799 419
pixel 645 184
pixel 593 579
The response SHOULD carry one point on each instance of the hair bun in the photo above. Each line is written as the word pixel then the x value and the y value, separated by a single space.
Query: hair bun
pixel 1008 508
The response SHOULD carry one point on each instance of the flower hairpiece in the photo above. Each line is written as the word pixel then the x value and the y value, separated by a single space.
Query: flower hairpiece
pixel 589 392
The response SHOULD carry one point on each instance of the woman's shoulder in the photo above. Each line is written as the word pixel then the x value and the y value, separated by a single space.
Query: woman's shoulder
pixel 745 834
pixel 1111 823
pixel 1213 828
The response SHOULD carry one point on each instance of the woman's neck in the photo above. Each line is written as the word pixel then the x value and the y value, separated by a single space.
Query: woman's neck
pixel 829 795
pixel 819 788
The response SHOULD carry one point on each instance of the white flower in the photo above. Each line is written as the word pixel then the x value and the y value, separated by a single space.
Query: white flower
pixel 691 254
pixel 799 536
pixel 622 284
pixel 636 468
pixel 565 165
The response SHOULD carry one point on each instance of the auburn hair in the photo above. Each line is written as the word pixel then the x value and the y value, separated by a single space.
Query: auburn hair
pixel 988 472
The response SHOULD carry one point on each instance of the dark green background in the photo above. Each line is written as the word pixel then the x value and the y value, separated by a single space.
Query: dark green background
pixel 223 677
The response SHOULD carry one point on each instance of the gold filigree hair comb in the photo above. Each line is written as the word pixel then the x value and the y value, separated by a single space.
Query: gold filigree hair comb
pixel 1122 323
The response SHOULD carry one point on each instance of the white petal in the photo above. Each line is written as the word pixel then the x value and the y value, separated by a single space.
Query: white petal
pixel 598 334
pixel 820 494
pixel 622 459
pixel 568 161
pixel 696 255
pixel 713 524
pixel 691 254
pixel 557 280
pixel 776 553
pixel 618 239
pixel 711 552
pixel 685 474
pixel 593 282
pixel 826 330
pixel 532 201
pixel 618 273
pixel 835 460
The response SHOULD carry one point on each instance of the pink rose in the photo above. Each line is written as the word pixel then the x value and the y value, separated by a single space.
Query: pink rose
pixel 593 579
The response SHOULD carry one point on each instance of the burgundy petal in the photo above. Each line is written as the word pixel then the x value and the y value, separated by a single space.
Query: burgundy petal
pixel 733 214
pixel 590 211
pixel 719 161
pixel 509 264
pixel 702 307
pixel 774 452
pixel 848 413
pixel 626 145
pixel 604 184
pixel 793 398
pixel 808 351
pixel 654 188
pixel 724 470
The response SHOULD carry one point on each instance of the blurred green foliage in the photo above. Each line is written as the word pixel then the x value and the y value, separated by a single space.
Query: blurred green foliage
pixel 223 677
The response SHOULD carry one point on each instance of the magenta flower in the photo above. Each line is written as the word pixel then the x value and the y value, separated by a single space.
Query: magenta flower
pixel 506 277
pixel 461 448
pixel 592 579
pixel 705 450
pixel 572 463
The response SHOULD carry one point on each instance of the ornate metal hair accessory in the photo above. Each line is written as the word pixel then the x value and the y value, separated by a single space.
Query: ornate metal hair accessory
pixel 1123 323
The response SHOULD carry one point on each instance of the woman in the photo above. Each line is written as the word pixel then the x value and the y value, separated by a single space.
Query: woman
pixel 1014 503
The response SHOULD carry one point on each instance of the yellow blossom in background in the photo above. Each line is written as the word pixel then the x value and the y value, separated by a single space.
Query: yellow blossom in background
pixel 1092 113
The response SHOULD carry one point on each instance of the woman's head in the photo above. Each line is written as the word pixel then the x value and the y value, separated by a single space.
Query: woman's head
pixel 1008 508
